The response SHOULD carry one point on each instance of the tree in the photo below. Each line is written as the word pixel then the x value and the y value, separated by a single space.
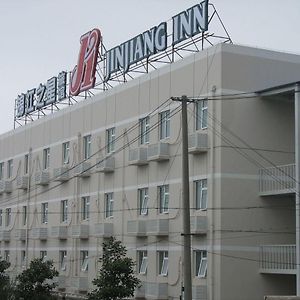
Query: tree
pixel 6 290
pixel 116 279
pixel 36 283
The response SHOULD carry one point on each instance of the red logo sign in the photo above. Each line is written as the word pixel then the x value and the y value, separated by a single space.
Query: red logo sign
pixel 83 75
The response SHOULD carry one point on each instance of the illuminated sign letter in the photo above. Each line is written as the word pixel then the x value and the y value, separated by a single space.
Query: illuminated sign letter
pixel 83 76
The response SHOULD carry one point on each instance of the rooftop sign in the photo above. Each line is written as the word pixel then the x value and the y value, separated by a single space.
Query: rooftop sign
pixel 148 48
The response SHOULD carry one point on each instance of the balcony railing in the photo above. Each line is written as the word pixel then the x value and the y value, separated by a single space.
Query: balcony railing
pixel 277 180
pixel 277 259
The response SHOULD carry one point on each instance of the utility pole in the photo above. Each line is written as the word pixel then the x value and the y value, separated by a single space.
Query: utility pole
pixel 187 272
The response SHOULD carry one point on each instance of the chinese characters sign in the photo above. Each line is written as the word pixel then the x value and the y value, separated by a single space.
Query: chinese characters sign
pixel 54 90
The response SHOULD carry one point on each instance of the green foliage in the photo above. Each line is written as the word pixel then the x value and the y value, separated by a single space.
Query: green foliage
pixel 35 282
pixel 116 278
pixel 6 290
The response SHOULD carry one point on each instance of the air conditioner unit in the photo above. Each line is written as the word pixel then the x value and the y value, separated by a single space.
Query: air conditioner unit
pixel 61 174
pixel 199 224
pixel 198 142
pixel 105 165
pixel 39 233
pixel 158 152
pixel 42 178
pixel 59 232
pixel 5 186
pixel 199 292
pixel 80 231
pixel 22 182
pixel 104 230
pixel 138 156
pixel 158 227
pixel 81 283
pixel 156 290
pixel 140 291
pixel 5 235
pixel 136 227
pixel 61 282
pixel 83 169
pixel 20 234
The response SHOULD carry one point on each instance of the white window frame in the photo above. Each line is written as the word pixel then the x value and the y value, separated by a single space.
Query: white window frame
pixel 143 201
pixel 201 263
pixel 63 260
pixel 1 170
pixel 201 194
pixel 201 114
pixel 163 263
pixel 66 153
pixel 26 164
pixel 164 198
pixel 143 262
pixel 110 139
pixel 164 124
pixel 64 211
pixel 7 216
pixel 46 158
pixel 24 215
pixel 43 255
pixel 84 260
pixel 44 212
pixel 109 205
pixel 87 146
pixel 10 166
pixel 85 208
pixel 144 130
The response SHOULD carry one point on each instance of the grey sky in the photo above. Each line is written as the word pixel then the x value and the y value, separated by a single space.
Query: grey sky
pixel 39 38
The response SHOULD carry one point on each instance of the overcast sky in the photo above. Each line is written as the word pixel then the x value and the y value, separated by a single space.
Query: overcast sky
pixel 40 38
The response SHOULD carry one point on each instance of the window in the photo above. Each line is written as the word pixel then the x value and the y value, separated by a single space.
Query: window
pixel 1 217
pixel 10 168
pixel 43 255
pixel 6 255
pixel 201 263
pixel 201 194
pixel 164 124
pixel 63 260
pixel 23 258
pixel 110 139
pixel 1 170
pixel 109 205
pixel 26 164
pixel 163 262
pixel 144 130
pixel 46 158
pixel 201 114
pixel 24 215
pixel 45 213
pixel 163 199
pixel 143 201
pixel 64 210
pixel 66 153
pixel 143 262
pixel 84 260
pixel 87 146
pixel 8 216
pixel 85 208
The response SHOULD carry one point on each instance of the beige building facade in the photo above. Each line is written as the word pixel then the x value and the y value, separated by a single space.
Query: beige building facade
pixel 111 166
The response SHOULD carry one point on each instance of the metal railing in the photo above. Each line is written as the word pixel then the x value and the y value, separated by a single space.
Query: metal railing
pixel 279 259
pixel 277 180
